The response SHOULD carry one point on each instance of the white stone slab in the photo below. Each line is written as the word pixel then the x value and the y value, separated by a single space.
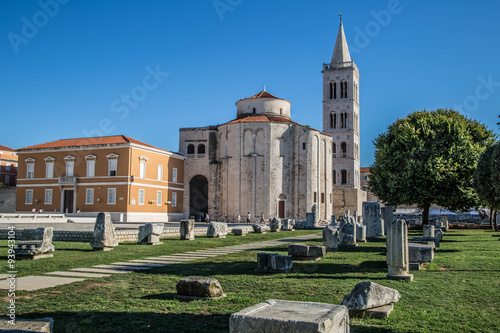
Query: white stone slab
pixel 78 274
pixel 4 276
pixel 192 255
pixel 135 264
pixel 273 316
pixel 166 261
pixel 174 258
pixel 125 268
pixel 37 282
pixel 100 270
pixel 161 263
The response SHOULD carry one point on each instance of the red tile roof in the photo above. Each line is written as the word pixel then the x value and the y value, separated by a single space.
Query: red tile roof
pixel 263 94
pixel 101 140
pixel 6 148
pixel 364 169
pixel 261 119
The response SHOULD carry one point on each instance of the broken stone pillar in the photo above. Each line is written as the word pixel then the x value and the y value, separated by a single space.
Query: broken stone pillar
pixel 104 233
pixel 371 219
pixel 331 238
pixel 445 223
pixel 217 229
pixel 347 232
pixel 438 233
pixel 239 232
pixel 428 231
pixel 149 234
pixel 360 233
pixel 371 298
pixel 187 229
pixel 419 254
pixel 199 287
pixel 275 225
pixel 288 224
pixel 273 263
pixel 316 215
pixel 306 252
pixel 387 214
pixel 36 244
pixel 397 251
pixel 333 221
pixel 275 316
pixel 260 228
pixel 309 220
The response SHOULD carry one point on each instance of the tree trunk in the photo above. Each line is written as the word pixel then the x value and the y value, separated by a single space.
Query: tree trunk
pixel 491 218
pixel 425 214
pixel 495 222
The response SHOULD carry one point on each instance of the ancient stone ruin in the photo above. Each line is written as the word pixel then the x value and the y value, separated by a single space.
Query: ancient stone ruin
pixel 273 263
pixel 397 251
pixel 239 231
pixel 260 228
pixel 291 316
pixel 36 244
pixel 419 254
pixel 104 233
pixel 331 238
pixel 305 252
pixel 187 229
pixel 360 233
pixel 371 219
pixel 371 298
pixel 199 287
pixel 347 232
pixel 217 229
pixel 149 234
pixel 275 225
pixel 288 225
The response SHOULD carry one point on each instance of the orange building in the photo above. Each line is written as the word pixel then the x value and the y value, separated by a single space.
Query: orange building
pixel 8 166
pixel 134 181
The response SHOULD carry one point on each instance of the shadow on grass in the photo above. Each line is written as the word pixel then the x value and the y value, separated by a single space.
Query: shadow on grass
pixel 104 322
pixel 362 249
pixel 165 296
pixel 447 251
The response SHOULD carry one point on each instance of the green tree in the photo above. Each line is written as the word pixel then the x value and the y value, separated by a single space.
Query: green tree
pixel 428 158
pixel 487 180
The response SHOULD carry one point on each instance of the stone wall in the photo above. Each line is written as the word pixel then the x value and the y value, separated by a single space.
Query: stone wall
pixel 7 199
pixel 123 235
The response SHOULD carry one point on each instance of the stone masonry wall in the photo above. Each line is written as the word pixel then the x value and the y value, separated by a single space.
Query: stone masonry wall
pixel 7 199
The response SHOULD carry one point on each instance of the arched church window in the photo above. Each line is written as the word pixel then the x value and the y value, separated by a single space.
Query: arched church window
pixel 254 110
pixel 343 89
pixel 343 148
pixel 190 149
pixel 248 144
pixel 334 148
pixel 331 120
pixel 334 178
pixel 314 197
pixel 322 197
pixel 343 120
pixel 281 147
pixel 260 143
pixel 303 145
pixel 334 90
pixel 331 90
pixel 344 177
pixel 201 149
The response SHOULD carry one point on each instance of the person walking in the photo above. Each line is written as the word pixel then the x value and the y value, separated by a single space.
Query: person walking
pixel 248 217
pixel 239 218
pixel 262 218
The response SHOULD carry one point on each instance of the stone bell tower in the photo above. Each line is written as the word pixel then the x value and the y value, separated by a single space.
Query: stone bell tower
pixel 341 121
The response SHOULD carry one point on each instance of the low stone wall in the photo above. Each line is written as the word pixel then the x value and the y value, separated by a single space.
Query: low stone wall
pixel 123 235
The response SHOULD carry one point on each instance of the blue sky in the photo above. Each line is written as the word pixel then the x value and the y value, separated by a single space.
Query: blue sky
pixel 67 69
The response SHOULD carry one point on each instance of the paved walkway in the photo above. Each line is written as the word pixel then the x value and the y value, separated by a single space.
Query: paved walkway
pixel 52 279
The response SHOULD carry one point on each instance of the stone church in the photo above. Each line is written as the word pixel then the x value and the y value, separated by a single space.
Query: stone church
pixel 263 163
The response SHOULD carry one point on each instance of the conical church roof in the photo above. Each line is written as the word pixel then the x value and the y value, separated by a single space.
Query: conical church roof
pixel 341 51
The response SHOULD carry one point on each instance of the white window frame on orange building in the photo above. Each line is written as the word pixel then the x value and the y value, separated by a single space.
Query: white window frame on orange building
pixel 112 190
pixel 174 199
pixel 112 164
pixel 26 202
pixel 91 160
pixel 70 165
pixel 160 172
pixel 48 198
pixel 30 164
pixel 87 201
pixel 139 201
pixel 174 175
pixel 49 167
pixel 142 167
pixel 159 198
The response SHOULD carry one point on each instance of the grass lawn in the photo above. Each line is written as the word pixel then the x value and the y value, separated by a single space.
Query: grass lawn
pixel 458 292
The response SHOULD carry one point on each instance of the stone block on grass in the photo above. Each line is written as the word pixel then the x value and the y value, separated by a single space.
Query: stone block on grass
pixel 199 287
pixel 273 263
pixel 288 225
pixel 371 299
pixel 187 229
pixel 104 233
pixel 240 232
pixel 275 225
pixel 38 246
pixel 260 228
pixel 420 253
pixel 217 229
pixel 149 234
pixel 304 252
pixel 331 238
pixel 273 316
pixel 44 325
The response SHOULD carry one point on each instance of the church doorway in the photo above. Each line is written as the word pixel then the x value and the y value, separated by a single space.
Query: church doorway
pixel 281 206
pixel 198 197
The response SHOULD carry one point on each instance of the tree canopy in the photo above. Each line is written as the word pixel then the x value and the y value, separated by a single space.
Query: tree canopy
pixel 429 157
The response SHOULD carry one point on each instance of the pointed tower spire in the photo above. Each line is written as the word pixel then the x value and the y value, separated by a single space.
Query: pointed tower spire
pixel 341 51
